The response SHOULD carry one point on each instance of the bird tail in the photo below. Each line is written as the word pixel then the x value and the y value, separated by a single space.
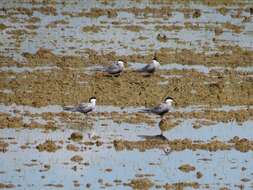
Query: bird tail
pixel 97 69
pixel 145 110
pixel 69 108
pixel 141 70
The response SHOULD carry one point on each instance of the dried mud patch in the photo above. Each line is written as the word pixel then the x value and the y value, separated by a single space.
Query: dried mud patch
pixel 186 168
pixel 10 122
pixel 36 88
pixel 76 158
pixel 182 185
pixel 48 145
pixel 141 183
pixel 179 145
pixel 243 144
pixel 7 186
pixel 76 136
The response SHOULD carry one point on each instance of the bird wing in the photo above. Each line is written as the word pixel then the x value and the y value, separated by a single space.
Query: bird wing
pixel 160 109
pixel 113 69
pixel 69 108
pixel 147 68
pixel 83 108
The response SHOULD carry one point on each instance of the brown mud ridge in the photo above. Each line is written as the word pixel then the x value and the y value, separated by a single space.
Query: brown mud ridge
pixel 221 116
pixel 242 145
pixel 162 12
pixel 233 56
pixel 72 86
pixel 49 8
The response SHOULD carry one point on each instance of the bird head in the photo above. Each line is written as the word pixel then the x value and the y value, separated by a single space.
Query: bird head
pixel 121 63
pixel 93 100
pixel 155 61
pixel 169 100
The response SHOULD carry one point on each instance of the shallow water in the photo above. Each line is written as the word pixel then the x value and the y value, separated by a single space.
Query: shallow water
pixel 221 168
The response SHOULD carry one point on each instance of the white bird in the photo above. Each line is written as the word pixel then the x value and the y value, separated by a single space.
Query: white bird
pixel 162 108
pixel 150 68
pixel 116 68
pixel 83 107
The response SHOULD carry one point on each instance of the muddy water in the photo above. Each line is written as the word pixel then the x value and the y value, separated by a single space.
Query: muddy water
pixel 50 56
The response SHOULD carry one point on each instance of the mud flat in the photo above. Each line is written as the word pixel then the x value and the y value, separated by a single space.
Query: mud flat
pixel 50 56
pixel 231 87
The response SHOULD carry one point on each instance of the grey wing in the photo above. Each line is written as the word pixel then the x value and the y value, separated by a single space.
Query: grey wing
pixel 84 108
pixel 80 108
pixel 161 109
pixel 113 69
pixel 148 68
